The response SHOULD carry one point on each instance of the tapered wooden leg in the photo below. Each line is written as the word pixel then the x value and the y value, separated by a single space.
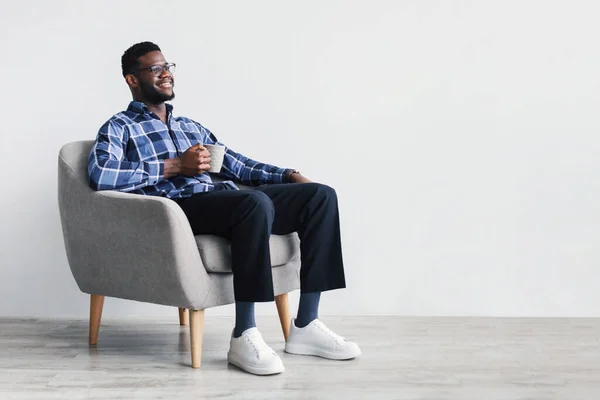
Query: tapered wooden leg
pixel 183 317
pixel 283 309
pixel 196 331
pixel 96 304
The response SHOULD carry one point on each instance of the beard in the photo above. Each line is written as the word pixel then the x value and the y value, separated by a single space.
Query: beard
pixel 152 95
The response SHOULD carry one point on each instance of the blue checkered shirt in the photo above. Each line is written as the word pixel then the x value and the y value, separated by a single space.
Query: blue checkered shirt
pixel 132 146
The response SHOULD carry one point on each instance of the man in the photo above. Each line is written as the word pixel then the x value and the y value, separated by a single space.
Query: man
pixel 146 150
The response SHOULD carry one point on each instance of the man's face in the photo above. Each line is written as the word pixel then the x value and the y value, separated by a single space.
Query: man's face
pixel 155 89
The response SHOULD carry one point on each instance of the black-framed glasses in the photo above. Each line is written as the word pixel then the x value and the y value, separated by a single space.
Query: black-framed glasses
pixel 157 70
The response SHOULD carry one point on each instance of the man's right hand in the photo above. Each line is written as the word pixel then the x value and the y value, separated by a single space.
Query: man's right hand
pixel 194 161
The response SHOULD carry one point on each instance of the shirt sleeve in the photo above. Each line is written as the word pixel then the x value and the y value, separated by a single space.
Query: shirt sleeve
pixel 246 170
pixel 108 169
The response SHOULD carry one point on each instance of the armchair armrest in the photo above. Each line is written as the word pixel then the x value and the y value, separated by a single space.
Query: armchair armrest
pixel 133 247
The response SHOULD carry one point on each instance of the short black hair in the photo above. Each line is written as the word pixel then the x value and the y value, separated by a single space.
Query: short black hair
pixel 129 60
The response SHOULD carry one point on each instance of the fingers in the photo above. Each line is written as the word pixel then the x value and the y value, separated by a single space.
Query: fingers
pixel 202 168
pixel 197 159
pixel 198 147
pixel 201 157
pixel 202 160
pixel 204 153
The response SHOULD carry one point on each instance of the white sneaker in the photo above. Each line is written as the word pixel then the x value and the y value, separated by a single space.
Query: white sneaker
pixel 315 339
pixel 250 353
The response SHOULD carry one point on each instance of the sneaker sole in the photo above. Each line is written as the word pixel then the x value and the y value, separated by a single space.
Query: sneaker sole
pixel 304 350
pixel 254 370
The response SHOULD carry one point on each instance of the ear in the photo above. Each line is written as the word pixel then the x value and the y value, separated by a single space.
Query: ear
pixel 131 80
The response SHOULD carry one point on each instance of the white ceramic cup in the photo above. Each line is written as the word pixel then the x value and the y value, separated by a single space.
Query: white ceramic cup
pixel 217 153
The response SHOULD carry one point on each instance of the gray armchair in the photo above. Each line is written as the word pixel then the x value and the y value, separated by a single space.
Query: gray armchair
pixel 142 248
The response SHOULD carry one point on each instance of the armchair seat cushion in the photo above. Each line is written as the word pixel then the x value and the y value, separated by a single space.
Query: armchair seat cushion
pixel 215 251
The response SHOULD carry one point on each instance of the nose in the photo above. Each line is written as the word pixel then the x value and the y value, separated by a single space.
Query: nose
pixel 165 72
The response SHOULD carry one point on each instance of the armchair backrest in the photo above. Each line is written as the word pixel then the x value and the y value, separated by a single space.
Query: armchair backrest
pixel 74 199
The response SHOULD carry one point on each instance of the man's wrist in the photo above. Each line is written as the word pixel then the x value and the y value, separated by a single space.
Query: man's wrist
pixel 290 172
pixel 172 167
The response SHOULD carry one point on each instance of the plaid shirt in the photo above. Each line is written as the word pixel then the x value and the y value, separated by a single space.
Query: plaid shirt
pixel 132 146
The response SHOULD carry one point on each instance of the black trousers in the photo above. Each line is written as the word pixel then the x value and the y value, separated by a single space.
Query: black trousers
pixel 248 217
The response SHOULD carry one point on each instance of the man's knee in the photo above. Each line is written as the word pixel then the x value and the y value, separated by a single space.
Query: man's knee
pixel 324 191
pixel 260 202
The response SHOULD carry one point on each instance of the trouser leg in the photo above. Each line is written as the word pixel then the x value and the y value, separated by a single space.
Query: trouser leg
pixel 311 209
pixel 244 217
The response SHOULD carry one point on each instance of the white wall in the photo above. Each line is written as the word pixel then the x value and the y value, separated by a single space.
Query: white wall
pixel 462 137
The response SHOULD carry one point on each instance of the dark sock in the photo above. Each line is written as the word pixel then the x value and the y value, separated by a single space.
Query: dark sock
pixel 308 309
pixel 244 317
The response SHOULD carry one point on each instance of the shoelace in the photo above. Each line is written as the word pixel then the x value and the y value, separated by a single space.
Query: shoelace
pixel 259 344
pixel 328 331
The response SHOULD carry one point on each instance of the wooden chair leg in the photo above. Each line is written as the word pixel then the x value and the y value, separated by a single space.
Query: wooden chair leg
pixel 96 304
pixel 283 309
pixel 183 317
pixel 196 331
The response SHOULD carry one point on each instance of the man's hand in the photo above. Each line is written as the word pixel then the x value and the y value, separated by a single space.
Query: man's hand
pixel 297 177
pixel 194 161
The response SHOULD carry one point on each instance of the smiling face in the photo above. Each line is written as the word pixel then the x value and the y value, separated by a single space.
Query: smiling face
pixel 148 87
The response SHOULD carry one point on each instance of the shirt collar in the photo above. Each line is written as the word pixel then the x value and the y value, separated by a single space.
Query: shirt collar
pixel 140 108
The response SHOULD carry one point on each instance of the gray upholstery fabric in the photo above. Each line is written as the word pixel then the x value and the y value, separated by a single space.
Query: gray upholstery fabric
pixel 215 251
pixel 285 279
pixel 142 247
